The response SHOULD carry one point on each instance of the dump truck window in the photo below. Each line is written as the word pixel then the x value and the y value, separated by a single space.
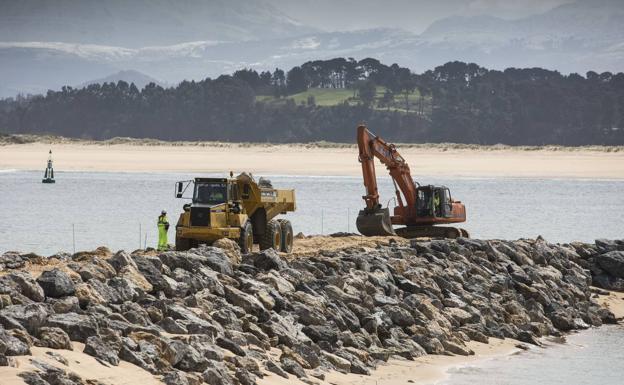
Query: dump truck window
pixel 210 193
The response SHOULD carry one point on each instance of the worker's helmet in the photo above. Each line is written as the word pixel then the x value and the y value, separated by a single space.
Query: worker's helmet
pixel 163 212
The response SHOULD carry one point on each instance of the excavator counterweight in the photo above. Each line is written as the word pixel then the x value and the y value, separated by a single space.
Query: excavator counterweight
pixel 420 209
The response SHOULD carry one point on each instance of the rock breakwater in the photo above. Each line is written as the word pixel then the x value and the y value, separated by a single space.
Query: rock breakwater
pixel 211 316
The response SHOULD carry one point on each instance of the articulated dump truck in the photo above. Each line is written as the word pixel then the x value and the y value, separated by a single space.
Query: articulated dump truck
pixel 236 208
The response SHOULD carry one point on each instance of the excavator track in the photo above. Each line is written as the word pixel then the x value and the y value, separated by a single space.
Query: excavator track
pixel 432 232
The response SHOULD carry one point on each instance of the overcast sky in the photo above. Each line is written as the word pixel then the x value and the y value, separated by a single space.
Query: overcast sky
pixel 412 15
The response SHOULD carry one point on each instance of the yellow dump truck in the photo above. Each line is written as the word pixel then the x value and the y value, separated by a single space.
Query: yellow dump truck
pixel 236 208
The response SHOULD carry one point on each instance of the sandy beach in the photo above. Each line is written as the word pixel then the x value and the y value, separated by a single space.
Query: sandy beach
pixel 423 370
pixel 314 160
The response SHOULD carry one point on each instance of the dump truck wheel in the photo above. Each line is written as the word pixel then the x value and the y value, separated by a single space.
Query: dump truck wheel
pixel 287 235
pixel 182 244
pixel 272 237
pixel 246 238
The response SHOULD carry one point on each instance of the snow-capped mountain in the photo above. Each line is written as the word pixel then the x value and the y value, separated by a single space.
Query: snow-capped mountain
pixel 575 37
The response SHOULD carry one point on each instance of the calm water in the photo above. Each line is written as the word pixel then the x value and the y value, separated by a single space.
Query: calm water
pixel 120 209
pixel 594 356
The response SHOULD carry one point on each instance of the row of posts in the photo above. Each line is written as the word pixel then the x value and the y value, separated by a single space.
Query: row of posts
pixel 143 236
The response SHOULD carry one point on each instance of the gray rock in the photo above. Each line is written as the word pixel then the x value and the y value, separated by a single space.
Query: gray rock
pixel 79 327
pixel 56 283
pixel 273 367
pixel 217 374
pixel 125 290
pixel 95 269
pixel 54 338
pixel 266 260
pixel 188 358
pixel 30 317
pixel 64 304
pixel 12 346
pixel 612 262
pixel 120 260
pixel 94 346
pixel 25 284
pixel 292 367
pixel 249 303
pixel 175 378
pixel 230 345
pixel 172 326
pixel 150 271
pixel 321 333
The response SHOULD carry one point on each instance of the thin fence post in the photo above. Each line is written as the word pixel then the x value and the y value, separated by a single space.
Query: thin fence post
pixel 145 243
pixel 74 236
pixel 348 220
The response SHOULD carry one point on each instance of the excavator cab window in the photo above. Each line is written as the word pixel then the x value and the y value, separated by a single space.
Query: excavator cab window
pixel 424 204
pixel 447 203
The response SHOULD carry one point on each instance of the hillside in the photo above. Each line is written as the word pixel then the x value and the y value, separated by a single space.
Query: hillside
pixel 322 101
pixel 137 78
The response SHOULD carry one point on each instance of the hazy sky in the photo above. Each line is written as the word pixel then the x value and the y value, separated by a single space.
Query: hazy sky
pixel 412 15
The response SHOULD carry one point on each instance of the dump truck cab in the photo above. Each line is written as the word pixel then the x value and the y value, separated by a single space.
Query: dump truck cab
pixel 236 208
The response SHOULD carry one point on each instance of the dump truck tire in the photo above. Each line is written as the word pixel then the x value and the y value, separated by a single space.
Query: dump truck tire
pixel 245 241
pixel 287 235
pixel 272 237
pixel 182 244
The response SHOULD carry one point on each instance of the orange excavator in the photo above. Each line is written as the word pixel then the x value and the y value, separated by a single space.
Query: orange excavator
pixel 420 209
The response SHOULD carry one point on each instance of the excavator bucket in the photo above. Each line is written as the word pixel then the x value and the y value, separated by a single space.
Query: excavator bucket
pixel 372 223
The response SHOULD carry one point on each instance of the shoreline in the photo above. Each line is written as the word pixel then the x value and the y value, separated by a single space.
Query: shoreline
pixel 313 161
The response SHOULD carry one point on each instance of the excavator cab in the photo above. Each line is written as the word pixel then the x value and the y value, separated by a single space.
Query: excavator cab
pixel 434 201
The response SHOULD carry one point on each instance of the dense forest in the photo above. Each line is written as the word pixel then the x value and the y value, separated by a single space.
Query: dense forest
pixel 455 102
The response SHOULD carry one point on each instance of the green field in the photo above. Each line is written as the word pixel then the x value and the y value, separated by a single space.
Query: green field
pixel 335 96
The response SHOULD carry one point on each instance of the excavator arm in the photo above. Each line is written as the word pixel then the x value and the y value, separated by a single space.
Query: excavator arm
pixel 374 220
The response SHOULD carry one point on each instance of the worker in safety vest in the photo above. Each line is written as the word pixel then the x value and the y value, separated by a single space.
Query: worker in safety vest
pixel 163 227
pixel 436 203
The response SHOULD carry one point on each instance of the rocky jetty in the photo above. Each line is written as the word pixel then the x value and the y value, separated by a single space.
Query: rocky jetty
pixel 212 316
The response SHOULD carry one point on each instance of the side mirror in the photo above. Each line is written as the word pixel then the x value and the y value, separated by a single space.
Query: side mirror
pixel 179 189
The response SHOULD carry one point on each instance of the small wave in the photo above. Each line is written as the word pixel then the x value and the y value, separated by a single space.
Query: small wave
pixel 8 170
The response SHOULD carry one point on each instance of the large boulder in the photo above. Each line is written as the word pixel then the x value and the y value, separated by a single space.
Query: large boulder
pixel 120 260
pixel 266 260
pixel 12 346
pixel 56 283
pixel 79 327
pixel 249 303
pixel 54 338
pixel 30 317
pixel 612 262
pixel 22 283
pixel 95 269
pixel 151 271
pixel 96 347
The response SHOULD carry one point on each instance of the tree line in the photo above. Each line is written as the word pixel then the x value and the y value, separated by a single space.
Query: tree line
pixel 463 103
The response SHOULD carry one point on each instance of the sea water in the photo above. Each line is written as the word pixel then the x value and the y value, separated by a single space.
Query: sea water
pixel 594 356
pixel 120 210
